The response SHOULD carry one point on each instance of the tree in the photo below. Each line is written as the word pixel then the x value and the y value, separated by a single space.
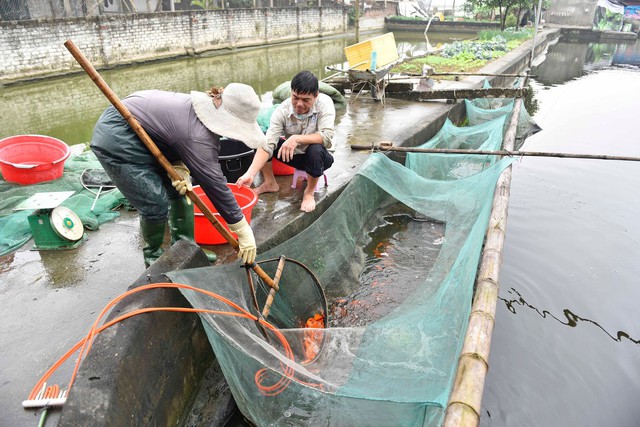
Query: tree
pixel 356 20
pixel 503 6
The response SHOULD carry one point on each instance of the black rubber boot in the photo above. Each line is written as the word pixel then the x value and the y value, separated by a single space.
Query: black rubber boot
pixel 181 224
pixel 153 235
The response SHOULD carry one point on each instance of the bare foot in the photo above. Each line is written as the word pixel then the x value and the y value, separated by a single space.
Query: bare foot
pixel 308 203
pixel 267 188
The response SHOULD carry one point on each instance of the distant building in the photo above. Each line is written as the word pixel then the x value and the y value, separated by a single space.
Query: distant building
pixel 16 10
pixel 602 15
pixel 430 7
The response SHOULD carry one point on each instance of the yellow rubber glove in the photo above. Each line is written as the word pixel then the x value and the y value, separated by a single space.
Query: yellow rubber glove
pixel 246 241
pixel 182 185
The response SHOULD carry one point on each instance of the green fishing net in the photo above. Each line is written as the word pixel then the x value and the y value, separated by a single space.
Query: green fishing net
pixel 396 256
pixel 482 110
pixel 14 225
pixel 484 136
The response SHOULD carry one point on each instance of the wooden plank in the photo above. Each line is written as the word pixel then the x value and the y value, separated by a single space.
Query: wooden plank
pixel 404 90
pixel 359 53
pixel 459 94
pixel 386 49
pixel 384 45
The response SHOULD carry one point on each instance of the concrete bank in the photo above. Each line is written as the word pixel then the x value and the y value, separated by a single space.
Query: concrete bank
pixel 437 26
pixel 158 369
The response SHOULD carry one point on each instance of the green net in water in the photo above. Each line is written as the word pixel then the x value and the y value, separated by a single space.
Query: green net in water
pixel 396 255
pixel 482 110
pixel 483 136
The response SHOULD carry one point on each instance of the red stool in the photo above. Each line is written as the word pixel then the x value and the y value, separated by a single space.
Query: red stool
pixel 280 168
pixel 298 174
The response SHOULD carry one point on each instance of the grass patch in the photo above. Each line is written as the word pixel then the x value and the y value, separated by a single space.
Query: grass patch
pixel 468 56
pixel 460 64
pixel 509 34
pixel 407 18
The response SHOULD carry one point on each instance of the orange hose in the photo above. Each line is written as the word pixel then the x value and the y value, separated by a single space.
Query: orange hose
pixel 85 344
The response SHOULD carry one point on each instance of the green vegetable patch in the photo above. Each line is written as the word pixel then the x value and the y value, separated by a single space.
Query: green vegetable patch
pixel 467 56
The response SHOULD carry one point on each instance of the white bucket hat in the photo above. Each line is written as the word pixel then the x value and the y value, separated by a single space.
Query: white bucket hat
pixel 236 116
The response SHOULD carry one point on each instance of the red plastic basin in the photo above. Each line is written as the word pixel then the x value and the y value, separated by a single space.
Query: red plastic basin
pixel 204 232
pixel 29 159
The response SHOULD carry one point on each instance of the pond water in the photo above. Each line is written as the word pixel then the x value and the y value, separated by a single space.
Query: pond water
pixel 68 107
pixel 565 349
pixel 401 252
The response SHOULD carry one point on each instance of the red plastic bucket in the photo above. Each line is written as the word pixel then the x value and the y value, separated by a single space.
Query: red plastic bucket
pixel 29 159
pixel 280 168
pixel 204 232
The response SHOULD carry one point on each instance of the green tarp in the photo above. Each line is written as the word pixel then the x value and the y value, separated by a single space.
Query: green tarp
pixel 14 225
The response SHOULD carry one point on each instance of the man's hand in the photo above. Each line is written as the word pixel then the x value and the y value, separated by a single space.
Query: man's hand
pixel 245 180
pixel 287 148
pixel 246 241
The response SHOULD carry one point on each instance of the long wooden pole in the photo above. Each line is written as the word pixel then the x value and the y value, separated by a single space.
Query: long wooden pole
pixel 142 134
pixel 535 31
pixel 272 291
pixel 494 152
pixel 476 74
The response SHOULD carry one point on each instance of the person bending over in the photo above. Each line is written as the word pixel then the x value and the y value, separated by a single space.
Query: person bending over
pixel 299 134
pixel 187 130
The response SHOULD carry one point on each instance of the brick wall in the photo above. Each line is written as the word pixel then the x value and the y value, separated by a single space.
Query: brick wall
pixel 35 48
pixel 374 14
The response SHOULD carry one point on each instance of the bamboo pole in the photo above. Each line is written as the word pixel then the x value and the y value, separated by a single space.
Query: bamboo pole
pixel 384 147
pixel 535 31
pixel 476 74
pixel 465 402
pixel 357 20
pixel 347 69
pixel 276 286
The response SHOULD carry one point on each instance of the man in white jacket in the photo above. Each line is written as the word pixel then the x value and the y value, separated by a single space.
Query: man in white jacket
pixel 299 134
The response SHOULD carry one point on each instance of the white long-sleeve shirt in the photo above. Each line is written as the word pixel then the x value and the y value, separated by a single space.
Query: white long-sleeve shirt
pixel 284 122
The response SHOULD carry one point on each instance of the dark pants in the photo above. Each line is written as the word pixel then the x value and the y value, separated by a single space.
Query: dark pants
pixel 132 167
pixel 315 160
